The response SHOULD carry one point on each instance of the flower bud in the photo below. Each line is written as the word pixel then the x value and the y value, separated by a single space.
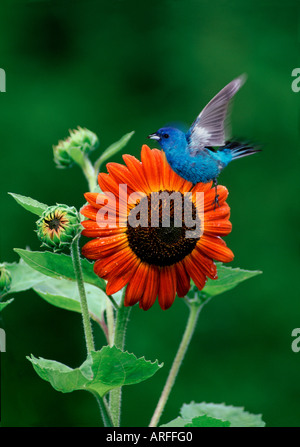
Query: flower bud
pixel 57 226
pixel 61 154
pixel 5 279
pixel 82 140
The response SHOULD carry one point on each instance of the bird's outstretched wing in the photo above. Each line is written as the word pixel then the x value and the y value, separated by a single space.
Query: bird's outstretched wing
pixel 208 129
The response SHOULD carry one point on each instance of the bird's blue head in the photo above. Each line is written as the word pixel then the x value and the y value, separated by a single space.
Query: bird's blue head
pixel 169 138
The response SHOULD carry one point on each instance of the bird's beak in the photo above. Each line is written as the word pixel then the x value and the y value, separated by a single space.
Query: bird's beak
pixel 154 136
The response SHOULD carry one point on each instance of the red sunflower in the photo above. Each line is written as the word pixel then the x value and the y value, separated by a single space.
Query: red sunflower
pixel 154 261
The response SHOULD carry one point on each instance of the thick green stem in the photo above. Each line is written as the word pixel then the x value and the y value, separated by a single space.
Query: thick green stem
pixel 121 324
pixel 195 308
pixel 110 321
pixel 113 302
pixel 91 177
pixel 119 342
pixel 106 417
pixel 104 410
pixel 83 301
pixel 90 173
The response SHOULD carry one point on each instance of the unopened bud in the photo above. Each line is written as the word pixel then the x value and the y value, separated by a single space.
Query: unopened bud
pixel 57 227
pixel 5 279
pixel 80 140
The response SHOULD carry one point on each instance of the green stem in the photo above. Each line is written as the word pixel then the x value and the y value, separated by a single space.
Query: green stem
pixel 91 177
pixel 113 302
pixel 90 173
pixel 107 420
pixel 83 301
pixel 194 308
pixel 121 324
pixel 110 321
pixel 104 410
pixel 119 342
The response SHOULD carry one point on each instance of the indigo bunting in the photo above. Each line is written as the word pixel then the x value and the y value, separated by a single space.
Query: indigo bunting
pixel 200 154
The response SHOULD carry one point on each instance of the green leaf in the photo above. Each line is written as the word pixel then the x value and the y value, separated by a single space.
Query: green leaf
pixel 59 266
pixel 60 376
pixel 199 421
pixel 3 304
pixel 113 368
pixel 103 371
pixel 64 294
pixel 23 277
pixel 178 422
pixel 113 149
pixel 228 278
pixel 207 421
pixel 236 416
pixel 29 204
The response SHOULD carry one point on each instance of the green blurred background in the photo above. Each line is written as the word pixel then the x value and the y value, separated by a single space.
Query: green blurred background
pixel 116 66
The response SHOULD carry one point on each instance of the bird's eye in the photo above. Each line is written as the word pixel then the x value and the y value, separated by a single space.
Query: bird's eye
pixel 165 135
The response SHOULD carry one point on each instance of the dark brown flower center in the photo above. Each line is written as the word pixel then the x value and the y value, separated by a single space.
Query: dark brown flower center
pixel 164 240
pixel 55 221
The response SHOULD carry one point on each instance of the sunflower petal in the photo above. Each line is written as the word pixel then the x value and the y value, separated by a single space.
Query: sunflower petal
pixel 151 163
pixel 215 248
pixel 135 167
pixel 151 290
pixel 195 272
pixel 136 286
pixel 118 281
pixel 209 201
pixel 208 266
pixel 107 266
pixel 217 227
pixel 183 282
pixel 220 212
pixel 92 229
pixel 167 287
pixel 94 248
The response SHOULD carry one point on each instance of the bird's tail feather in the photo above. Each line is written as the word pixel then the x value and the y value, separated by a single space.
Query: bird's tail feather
pixel 239 150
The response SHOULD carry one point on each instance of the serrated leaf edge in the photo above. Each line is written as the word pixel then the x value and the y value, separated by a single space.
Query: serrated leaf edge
pixel 225 405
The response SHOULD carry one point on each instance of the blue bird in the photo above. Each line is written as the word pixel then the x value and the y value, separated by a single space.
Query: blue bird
pixel 203 152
